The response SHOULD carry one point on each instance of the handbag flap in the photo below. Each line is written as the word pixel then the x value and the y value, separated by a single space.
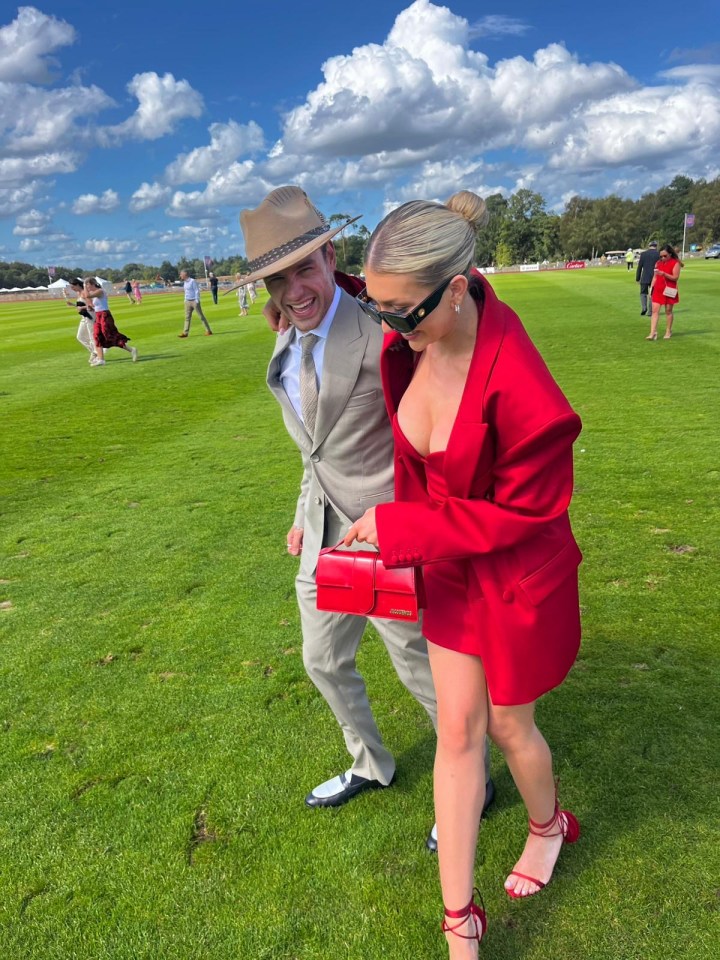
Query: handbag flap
pixel 353 571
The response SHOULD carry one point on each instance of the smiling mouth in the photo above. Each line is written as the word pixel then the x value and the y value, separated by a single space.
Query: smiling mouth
pixel 302 308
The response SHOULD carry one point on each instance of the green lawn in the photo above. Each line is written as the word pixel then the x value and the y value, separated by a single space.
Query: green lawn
pixel 159 732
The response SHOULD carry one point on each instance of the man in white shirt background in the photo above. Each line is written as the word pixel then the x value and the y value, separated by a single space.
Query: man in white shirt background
pixel 192 302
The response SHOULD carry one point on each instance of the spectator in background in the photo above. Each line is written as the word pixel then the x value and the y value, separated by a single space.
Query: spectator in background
pixel 644 274
pixel 87 316
pixel 242 296
pixel 105 332
pixel 192 302
pixel 128 291
pixel 630 258
pixel 137 293
pixel 665 291
pixel 213 286
pixel 252 292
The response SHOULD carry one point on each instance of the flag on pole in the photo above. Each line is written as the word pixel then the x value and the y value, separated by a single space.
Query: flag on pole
pixel 208 262
pixel 689 219
pixel 51 271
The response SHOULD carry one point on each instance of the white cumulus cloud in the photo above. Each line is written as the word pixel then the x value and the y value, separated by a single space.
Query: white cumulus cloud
pixel 162 103
pixel 32 223
pixel 25 45
pixel 91 203
pixel 110 246
pixel 148 196
pixel 228 141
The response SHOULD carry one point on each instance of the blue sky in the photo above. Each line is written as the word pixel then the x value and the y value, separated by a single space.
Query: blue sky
pixel 137 132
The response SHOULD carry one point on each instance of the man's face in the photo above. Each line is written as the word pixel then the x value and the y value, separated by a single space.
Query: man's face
pixel 183 274
pixel 304 291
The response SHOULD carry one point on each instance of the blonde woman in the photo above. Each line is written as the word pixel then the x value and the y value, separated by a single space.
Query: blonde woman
pixel 483 479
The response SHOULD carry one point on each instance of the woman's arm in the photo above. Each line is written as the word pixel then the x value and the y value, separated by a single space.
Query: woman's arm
pixel 532 485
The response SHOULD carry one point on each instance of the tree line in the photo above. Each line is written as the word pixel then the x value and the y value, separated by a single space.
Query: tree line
pixel 520 230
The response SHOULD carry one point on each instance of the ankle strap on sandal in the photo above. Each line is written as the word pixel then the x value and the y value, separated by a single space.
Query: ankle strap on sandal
pixel 471 910
pixel 546 829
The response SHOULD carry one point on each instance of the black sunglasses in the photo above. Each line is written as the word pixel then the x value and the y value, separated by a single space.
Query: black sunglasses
pixel 396 321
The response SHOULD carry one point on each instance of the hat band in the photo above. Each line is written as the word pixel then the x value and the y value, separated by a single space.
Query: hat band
pixel 277 253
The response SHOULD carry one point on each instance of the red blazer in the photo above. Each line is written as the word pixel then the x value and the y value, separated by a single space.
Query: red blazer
pixel 509 474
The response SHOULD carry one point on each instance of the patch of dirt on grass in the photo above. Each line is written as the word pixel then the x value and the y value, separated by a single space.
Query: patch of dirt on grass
pixel 200 834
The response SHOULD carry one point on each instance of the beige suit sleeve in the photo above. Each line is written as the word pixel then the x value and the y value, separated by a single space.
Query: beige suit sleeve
pixel 304 487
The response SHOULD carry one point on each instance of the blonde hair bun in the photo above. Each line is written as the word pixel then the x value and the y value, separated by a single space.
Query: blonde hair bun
pixel 470 206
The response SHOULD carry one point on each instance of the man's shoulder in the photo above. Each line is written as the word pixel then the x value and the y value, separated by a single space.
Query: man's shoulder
pixel 349 310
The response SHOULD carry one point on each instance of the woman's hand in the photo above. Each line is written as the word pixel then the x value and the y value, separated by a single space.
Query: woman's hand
pixel 364 530
pixel 276 320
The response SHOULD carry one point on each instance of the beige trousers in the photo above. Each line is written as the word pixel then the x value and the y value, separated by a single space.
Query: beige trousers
pixel 191 305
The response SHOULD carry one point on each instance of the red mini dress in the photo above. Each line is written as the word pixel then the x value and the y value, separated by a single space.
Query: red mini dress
pixel 661 284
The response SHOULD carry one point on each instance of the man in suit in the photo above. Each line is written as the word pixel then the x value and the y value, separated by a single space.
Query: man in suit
pixel 644 275
pixel 325 373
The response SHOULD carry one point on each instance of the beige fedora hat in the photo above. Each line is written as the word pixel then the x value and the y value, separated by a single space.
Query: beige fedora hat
pixel 285 228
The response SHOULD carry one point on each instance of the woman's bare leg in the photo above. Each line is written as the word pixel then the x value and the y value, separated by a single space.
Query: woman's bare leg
pixel 530 762
pixel 654 321
pixel 668 321
pixel 459 779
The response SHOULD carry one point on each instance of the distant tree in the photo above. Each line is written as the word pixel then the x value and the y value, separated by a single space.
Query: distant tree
pixel 706 205
pixel 350 254
pixel 674 202
pixel 131 270
pixel 488 238
pixel 167 271
pixel 503 254
pixel 523 226
pixel 340 218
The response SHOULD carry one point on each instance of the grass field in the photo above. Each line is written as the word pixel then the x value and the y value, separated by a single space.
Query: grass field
pixel 158 731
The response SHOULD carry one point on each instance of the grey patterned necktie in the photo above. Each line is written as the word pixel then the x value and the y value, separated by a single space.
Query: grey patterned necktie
pixel 308 382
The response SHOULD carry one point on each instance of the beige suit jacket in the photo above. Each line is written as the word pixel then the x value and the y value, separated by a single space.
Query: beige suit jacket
pixel 349 462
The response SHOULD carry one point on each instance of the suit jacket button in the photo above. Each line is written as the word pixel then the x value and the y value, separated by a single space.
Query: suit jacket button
pixel 317 500
pixel 401 557
pixel 393 558
pixel 508 596
pixel 315 458
pixel 417 556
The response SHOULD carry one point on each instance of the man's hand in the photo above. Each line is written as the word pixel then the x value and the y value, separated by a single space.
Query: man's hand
pixel 295 541
pixel 363 530
pixel 276 320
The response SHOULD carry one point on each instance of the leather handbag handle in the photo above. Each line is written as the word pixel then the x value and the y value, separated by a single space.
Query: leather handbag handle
pixel 339 544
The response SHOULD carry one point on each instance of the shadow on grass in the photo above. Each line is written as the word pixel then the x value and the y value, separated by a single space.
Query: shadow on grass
pixel 145 357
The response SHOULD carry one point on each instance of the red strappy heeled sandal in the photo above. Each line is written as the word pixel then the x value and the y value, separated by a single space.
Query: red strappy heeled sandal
pixel 562 822
pixel 471 910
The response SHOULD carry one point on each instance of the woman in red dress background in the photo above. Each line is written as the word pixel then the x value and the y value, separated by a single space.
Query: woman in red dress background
pixel 483 479
pixel 665 290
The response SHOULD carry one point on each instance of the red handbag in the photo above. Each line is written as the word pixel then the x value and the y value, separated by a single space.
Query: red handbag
pixel 356 581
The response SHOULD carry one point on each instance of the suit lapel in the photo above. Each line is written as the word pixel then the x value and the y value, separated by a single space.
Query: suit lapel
pixel 469 451
pixel 276 387
pixel 344 353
